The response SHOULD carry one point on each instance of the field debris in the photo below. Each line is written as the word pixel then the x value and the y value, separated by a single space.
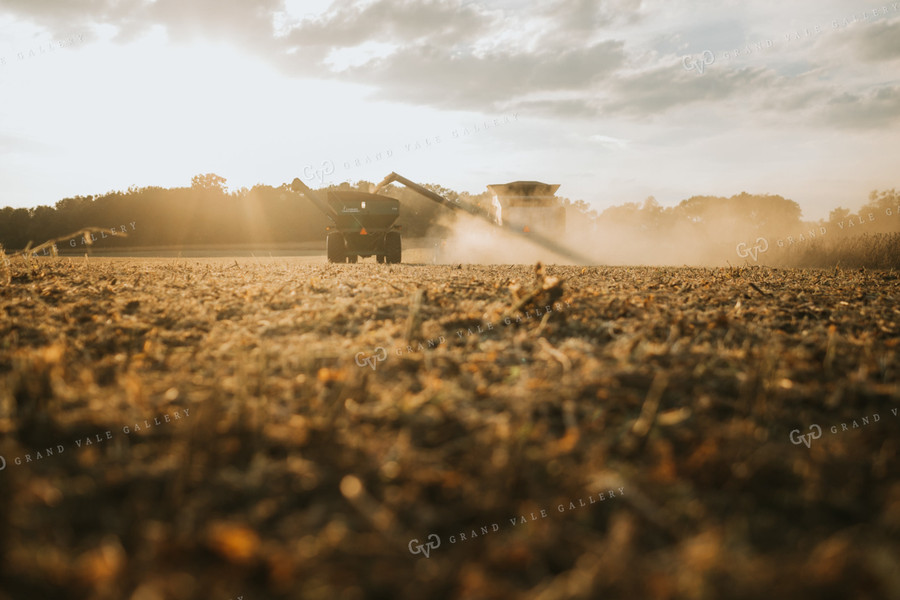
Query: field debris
pixel 543 293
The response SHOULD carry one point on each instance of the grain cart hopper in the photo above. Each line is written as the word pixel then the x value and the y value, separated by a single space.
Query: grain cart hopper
pixel 363 224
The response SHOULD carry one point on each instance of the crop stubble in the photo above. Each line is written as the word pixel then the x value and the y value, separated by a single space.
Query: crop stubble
pixel 302 474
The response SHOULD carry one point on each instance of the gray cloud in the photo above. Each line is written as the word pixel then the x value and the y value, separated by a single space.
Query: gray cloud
pixel 587 16
pixel 234 20
pixel 428 74
pixel 789 98
pixel 878 107
pixel 63 16
pixel 878 41
pixel 347 25
pixel 244 23
pixel 658 90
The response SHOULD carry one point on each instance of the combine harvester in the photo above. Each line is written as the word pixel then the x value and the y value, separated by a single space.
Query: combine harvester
pixel 529 206
pixel 364 223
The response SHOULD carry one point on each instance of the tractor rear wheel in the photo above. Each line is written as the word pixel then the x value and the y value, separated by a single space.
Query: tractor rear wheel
pixel 334 247
pixel 392 247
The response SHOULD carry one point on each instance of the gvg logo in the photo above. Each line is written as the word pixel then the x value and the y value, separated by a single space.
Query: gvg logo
pixel 432 543
pixel 310 172
pixel 762 244
pixel 692 64
pixel 815 432
pixel 379 355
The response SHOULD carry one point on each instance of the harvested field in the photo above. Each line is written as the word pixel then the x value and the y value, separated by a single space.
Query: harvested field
pixel 421 431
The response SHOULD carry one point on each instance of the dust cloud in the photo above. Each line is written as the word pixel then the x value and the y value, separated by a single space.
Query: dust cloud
pixel 476 241
pixel 707 231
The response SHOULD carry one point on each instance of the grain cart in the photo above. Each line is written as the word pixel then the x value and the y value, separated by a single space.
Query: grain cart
pixel 363 225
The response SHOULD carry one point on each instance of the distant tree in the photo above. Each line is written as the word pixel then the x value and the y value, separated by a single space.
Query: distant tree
pixel 209 181
pixel 881 201
pixel 838 214
pixel 628 214
pixel 18 228
pixel 7 230
pixel 765 213
pixel 73 205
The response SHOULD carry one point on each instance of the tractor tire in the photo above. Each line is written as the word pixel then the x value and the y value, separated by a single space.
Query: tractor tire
pixel 334 248
pixel 352 258
pixel 379 258
pixel 392 247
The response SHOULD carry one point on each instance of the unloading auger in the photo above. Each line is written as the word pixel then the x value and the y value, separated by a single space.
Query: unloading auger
pixel 516 229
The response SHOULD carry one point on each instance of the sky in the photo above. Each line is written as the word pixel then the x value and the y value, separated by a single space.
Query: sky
pixel 614 100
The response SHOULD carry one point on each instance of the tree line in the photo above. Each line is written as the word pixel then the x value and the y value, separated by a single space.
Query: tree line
pixel 207 214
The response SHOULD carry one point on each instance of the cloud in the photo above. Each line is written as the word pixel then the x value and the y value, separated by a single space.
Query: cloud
pixel 584 17
pixel 243 23
pixel 658 90
pixel 430 75
pixel 348 24
pixel 566 59
pixel 875 108
pixel 567 108
pixel 444 54
pixel 878 42
pixel 234 20
pixel 63 16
